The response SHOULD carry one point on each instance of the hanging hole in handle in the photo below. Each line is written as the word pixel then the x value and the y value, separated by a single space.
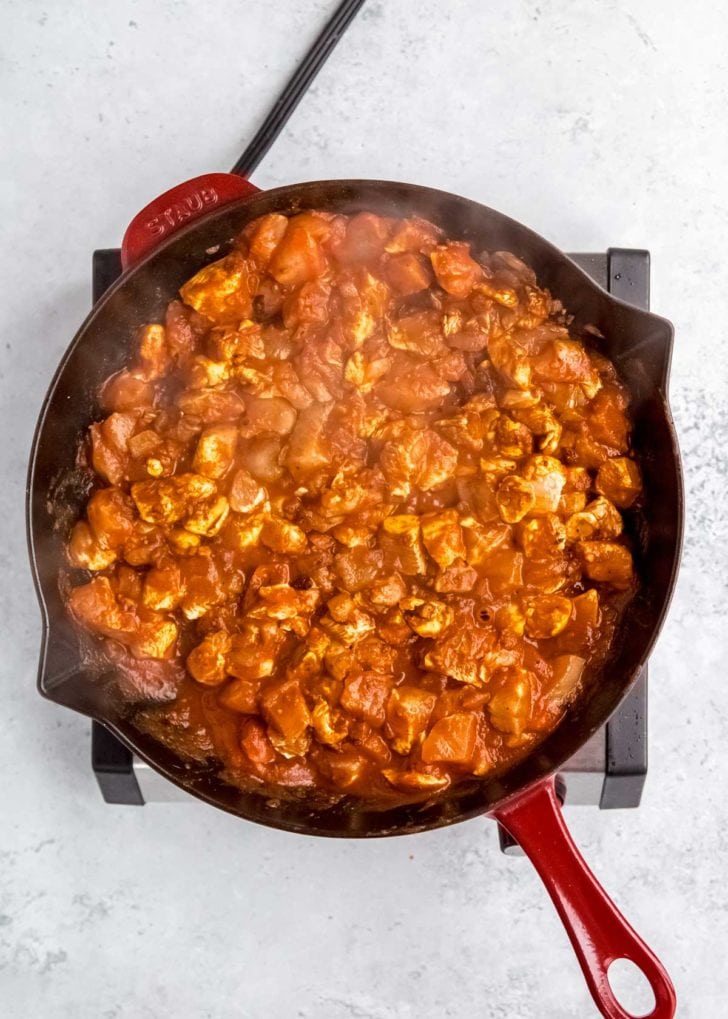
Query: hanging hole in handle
pixel 631 988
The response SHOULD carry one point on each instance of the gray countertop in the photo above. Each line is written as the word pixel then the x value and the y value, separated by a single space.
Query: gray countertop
pixel 597 124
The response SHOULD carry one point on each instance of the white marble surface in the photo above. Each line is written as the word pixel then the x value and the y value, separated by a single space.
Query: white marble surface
pixel 597 124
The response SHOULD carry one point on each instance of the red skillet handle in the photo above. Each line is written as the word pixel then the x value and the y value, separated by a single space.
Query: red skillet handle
pixel 178 207
pixel 598 931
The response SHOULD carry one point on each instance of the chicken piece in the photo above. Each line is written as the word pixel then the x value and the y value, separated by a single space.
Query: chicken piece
pixel 111 517
pixel 511 618
pixel 330 725
pixel 607 562
pixel 245 493
pixel 600 519
pixel 240 695
pixel 515 497
pixel 511 703
pixel 364 300
pixel 426 618
pixel 402 546
pixel 154 354
pixel 207 662
pixel 184 331
pixel 127 391
pixel 458 653
pixel 262 456
pixel 283 536
pixel 144 544
pixel 544 424
pixel 423 780
pixel 481 542
pixel 291 608
pixel 565 361
pixel 512 439
pixel 417 459
pixel 364 369
pixel 167 500
pixel 443 537
pixel 364 239
pixel 163 590
pixel 269 414
pixel 345 620
pixel 264 235
pixel 542 536
pixel 571 503
pixel 414 234
pixel 452 739
pixel 309 450
pixel 509 360
pixel 619 480
pixel 215 452
pixel 210 406
pixel 408 711
pixel 154 639
pixel 85 552
pixel 208 517
pixel 109 450
pixel 548 615
pixel 284 708
pixel 358 568
pixel 412 385
pixel 420 332
pixel 202 585
pixel 223 291
pixel 254 650
pixel 95 606
pixel 298 257
pixel 455 270
pixel 407 273
pixel 456 578
pixel 387 591
pixel 206 373
pixel 504 572
pixel 365 696
pixel 255 743
pixel 547 475
pixel 242 534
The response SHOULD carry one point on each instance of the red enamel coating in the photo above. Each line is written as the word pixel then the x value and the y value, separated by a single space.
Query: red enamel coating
pixel 178 207
pixel 596 928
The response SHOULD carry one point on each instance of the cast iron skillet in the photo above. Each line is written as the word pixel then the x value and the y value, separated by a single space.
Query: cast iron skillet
pixel 161 249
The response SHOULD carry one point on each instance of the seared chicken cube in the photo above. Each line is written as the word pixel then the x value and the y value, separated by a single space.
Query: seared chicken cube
pixel 245 493
pixel 407 273
pixel 208 517
pixel 443 537
pixel 167 500
pixel 163 589
pixel 456 578
pixel 215 451
pixel 154 639
pixel 607 562
pixel 109 450
pixel 387 591
pixel 542 536
pixel 96 606
pixel 85 552
pixel 480 541
pixel 420 332
pixel 285 709
pixel 599 519
pixel 358 568
pixel 548 477
pixel 264 235
pixel 240 695
pixel 283 536
pixel 510 361
pixel 426 618
pixel 452 739
pixel 223 291
pixel 254 650
pixel 458 653
pixel 547 615
pixel 408 712
pixel 298 257
pixel 400 540
pixel 431 780
pixel 511 702
pixel 455 270
pixel 329 724
pixel 207 662
pixel 365 696
pixel 619 480
pixel 516 498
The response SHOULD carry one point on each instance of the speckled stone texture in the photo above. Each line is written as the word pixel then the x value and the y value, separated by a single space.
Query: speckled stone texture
pixel 596 124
